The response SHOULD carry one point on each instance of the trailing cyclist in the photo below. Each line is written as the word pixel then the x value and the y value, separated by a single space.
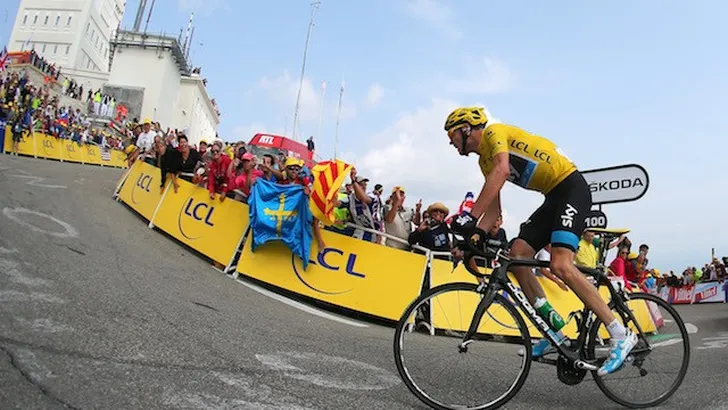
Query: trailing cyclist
pixel 508 153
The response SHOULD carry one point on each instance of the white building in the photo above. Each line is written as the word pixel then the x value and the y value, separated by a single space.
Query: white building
pixel 195 110
pixel 173 95
pixel 73 34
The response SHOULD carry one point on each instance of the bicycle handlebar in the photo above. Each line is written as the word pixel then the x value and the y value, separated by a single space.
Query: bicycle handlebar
pixel 475 245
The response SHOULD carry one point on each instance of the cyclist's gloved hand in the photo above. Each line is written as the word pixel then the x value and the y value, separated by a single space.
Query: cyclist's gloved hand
pixel 463 224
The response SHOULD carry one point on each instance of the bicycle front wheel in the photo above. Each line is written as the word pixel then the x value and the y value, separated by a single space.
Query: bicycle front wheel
pixel 427 351
pixel 659 362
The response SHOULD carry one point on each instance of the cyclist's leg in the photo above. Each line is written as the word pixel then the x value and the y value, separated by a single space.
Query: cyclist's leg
pixel 573 200
pixel 534 235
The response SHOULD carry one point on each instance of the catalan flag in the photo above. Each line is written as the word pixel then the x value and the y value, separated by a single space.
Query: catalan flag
pixel 328 177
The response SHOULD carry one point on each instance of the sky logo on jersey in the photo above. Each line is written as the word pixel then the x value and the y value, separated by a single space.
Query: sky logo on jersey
pixel 567 218
pixel 143 183
pixel 194 217
pixel 328 261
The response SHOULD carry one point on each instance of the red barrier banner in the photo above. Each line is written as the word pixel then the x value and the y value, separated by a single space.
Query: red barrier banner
pixel 681 295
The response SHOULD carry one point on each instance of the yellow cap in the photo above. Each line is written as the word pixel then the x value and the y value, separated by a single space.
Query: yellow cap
pixel 293 161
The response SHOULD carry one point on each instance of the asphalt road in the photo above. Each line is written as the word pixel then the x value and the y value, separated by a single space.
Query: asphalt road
pixel 99 311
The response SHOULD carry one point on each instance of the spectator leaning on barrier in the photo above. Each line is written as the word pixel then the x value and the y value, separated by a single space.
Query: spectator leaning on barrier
pixel 398 219
pixel 294 176
pixel 433 232
pixel 640 263
pixel 190 157
pixel 145 142
pixel 246 177
pixel 169 161
pixel 361 206
pixel 269 168
pixel 378 211
pixel 218 173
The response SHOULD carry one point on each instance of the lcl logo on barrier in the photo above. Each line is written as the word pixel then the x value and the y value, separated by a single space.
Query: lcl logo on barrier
pixel 332 264
pixel 70 148
pixel 200 212
pixel 48 146
pixel 143 183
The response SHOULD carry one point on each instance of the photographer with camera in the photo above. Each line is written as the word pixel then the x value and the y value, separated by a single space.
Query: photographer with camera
pixel 433 232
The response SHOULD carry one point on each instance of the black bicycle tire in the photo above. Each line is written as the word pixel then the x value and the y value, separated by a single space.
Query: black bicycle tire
pixel 683 369
pixel 402 324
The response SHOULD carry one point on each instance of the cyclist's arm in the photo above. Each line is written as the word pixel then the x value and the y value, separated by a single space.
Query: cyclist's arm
pixel 489 198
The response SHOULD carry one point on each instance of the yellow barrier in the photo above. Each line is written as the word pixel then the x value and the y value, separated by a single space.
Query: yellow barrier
pixel 349 273
pixel 209 226
pixel 455 311
pixel 25 147
pixel 141 189
pixel 49 147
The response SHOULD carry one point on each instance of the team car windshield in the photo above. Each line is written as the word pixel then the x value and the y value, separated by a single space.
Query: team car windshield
pixel 259 151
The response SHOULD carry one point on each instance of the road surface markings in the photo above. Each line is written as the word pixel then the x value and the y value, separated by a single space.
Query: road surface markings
pixel 330 371
pixel 10 268
pixel 298 305
pixel 36 181
pixel 715 342
pixel 44 325
pixel 16 215
pixel 16 296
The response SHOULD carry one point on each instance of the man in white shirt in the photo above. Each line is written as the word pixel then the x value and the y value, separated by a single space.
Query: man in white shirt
pixel 145 141
pixel 398 219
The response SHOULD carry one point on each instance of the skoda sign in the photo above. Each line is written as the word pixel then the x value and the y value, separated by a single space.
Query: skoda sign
pixel 624 183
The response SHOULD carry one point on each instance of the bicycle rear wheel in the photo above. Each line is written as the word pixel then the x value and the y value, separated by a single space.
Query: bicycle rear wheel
pixel 431 364
pixel 655 372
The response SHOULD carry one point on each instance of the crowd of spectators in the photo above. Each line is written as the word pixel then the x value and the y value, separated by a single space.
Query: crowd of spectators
pixel 33 108
pixel 228 170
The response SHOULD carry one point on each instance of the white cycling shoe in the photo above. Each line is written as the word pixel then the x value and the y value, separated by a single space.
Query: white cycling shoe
pixel 620 350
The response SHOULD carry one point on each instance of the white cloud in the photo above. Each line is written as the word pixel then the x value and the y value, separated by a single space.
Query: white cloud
pixel 435 13
pixel 282 90
pixel 482 76
pixel 375 94
pixel 415 152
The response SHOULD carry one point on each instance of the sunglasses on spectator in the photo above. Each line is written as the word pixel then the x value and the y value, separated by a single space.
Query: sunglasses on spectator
pixel 294 168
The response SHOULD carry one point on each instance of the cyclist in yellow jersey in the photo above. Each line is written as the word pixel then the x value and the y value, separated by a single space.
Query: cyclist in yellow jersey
pixel 508 153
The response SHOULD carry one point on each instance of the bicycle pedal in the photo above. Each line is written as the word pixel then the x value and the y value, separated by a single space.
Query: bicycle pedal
pixel 545 361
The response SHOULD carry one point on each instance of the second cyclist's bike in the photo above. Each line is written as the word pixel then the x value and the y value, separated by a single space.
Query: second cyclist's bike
pixel 443 338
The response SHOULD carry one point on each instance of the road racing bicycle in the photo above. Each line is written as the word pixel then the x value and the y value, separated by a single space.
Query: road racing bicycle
pixel 471 320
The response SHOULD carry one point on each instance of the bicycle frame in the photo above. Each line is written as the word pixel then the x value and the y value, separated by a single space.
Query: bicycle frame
pixel 499 281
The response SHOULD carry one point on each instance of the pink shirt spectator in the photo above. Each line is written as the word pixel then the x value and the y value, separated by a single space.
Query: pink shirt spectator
pixel 241 181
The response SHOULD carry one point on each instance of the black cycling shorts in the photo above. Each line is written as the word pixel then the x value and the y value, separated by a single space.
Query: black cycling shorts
pixel 561 219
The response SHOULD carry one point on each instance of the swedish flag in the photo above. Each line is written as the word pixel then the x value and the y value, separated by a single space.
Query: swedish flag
pixel 281 212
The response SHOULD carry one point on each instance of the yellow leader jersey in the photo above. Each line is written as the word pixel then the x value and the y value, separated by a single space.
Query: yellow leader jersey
pixel 536 163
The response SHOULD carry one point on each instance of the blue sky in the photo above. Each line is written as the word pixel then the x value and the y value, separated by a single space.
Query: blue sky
pixel 610 82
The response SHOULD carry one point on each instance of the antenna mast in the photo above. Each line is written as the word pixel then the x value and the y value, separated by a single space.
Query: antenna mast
pixel 314 8
pixel 338 118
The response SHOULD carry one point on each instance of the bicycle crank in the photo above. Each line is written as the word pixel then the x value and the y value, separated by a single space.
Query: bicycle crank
pixel 568 373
